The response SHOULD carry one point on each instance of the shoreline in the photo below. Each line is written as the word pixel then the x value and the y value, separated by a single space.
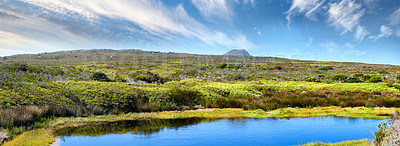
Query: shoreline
pixel 45 134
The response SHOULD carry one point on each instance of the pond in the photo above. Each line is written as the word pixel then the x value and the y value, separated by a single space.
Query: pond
pixel 242 131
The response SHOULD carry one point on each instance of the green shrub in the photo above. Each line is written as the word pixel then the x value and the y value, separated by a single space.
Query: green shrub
pixel 185 97
pixel 353 80
pixel 383 72
pixel 398 77
pixel 277 68
pixel 235 66
pixel 99 76
pixel 222 65
pixel 366 78
pixel 326 68
pixel 375 79
pixel 237 77
pixel 148 77
pixel 357 75
pixel 339 77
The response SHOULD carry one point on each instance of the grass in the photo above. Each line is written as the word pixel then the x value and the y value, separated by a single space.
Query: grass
pixel 32 138
pixel 362 142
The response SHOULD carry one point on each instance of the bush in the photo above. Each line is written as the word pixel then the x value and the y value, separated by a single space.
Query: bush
pixel 237 77
pixel 99 76
pixel 375 79
pixel 185 97
pixel 398 77
pixel 148 77
pixel 326 68
pixel 222 65
pixel 277 68
pixel 235 66
pixel 357 75
pixel 353 80
pixel 339 77
pixel 366 78
pixel 383 72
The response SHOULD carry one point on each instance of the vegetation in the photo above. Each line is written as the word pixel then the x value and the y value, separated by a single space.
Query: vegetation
pixel 363 142
pixel 39 87
pixel 99 76
pixel 388 133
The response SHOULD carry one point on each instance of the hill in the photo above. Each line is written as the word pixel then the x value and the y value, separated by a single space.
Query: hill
pixel 237 52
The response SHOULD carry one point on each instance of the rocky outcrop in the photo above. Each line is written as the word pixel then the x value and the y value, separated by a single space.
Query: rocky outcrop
pixel 237 52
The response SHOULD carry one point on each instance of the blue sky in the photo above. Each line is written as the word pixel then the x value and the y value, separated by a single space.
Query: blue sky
pixel 329 30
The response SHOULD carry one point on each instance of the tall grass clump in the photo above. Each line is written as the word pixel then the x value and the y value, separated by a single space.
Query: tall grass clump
pixel 21 116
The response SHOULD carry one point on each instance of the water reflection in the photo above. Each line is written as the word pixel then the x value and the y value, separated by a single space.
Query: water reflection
pixel 242 131
pixel 141 127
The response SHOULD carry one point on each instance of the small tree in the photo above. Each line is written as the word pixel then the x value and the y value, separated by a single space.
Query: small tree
pixel 99 76
pixel 398 77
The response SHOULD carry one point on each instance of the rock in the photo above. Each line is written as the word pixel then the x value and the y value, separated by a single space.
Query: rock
pixel 3 137
pixel 198 107
pixel 185 108
pixel 237 52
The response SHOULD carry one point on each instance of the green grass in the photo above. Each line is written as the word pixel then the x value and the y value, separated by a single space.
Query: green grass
pixel 38 137
pixel 362 142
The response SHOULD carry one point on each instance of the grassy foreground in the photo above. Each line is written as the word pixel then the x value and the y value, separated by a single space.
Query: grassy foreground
pixel 44 136
pixel 362 142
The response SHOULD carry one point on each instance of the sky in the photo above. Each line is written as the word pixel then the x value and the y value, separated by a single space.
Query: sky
pixel 324 30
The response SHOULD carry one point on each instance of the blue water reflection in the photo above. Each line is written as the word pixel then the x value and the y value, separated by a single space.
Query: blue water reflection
pixel 243 131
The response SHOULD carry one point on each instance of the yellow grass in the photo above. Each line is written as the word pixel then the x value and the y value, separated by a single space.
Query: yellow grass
pixel 38 137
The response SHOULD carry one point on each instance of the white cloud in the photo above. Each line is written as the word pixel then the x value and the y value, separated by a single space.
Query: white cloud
pixel 152 17
pixel 394 18
pixel 309 7
pixel 360 33
pixel 345 15
pixel 256 30
pixel 211 9
pixel 371 5
pixel 384 32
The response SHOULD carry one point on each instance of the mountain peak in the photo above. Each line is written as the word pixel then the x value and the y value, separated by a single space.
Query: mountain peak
pixel 237 52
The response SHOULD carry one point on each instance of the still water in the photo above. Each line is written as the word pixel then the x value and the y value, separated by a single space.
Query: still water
pixel 244 131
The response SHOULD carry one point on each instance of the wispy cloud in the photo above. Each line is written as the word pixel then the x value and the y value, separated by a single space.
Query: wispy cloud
pixel 345 15
pixel 395 17
pixel 211 9
pixel 90 20
pixel 384 32
pixel 360 33
pixel 308 7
